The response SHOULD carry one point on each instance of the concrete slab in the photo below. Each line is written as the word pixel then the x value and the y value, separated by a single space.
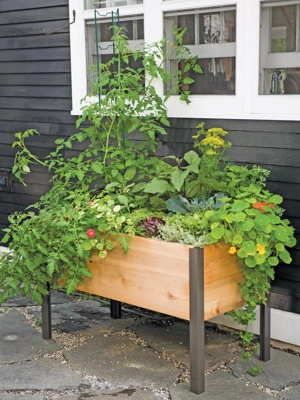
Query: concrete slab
pixel 291 393
pixel 281 371
pixel 86 316
pixel 20 341
pixel 56 298
pixel 220 385
pixel 121 362
pixel 16 396
pixel 117 394
pixel 44 374
pixel 174 341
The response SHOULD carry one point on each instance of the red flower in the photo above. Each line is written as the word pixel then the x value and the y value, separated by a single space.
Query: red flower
pixel 91 233
pixel 90 203
pixel 260 205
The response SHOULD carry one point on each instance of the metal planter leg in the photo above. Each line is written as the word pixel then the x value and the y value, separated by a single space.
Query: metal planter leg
pixel 46 315
pixel 265 332
pixel 197 333
pixel 115 309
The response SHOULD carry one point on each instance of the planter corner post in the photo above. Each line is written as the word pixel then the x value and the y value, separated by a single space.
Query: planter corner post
pixel 197 332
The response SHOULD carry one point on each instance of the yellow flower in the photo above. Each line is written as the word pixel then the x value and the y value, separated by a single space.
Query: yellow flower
pixel 232 250
pixel 261 250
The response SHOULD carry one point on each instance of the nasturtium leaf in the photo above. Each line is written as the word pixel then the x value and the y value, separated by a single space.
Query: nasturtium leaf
pixel 274 219
pixel 238 217
pixel 281 234
pixel 273 261
pixel 237 239
pixel 261 219
pixel 280 247
pixel 87 246
pixel 260 258
pixel 250 261
pixel 218 232
pixel 246 225
pixel 291 242
pixel 102 254
pixel 249 246
pixel 239 205
pixel 208 214
pixel 285 257
pixel 276 199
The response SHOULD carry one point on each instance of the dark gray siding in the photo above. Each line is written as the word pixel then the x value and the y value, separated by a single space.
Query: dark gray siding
pixel 35 88
pixel 35 92
pixel 275 145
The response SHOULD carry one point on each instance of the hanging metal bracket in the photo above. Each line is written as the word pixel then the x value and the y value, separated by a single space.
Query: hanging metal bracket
pixel 58 29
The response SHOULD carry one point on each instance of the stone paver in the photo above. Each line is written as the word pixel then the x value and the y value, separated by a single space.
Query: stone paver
pixel 56 298
pixel 291 393
pixel 86 316
pixel 39 375
pixel 220 385
pixel 282 370
pixel 119 362
pixel 20 341
pixel 15 396
pixel 174 341
pixel 117 394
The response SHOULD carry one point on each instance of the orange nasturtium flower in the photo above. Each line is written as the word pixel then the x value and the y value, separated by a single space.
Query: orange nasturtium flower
pixel 232 250
pixel 260 205
pixel 261 250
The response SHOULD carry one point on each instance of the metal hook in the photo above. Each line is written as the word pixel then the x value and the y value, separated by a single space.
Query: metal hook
pixel 55 30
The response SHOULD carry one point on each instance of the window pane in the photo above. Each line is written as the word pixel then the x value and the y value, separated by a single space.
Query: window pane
pixel 280 58
pixel 211 36
pixel 134 31
pixel 283 29
pixel 92 4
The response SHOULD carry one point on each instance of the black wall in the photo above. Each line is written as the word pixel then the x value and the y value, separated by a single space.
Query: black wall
pixel 35 92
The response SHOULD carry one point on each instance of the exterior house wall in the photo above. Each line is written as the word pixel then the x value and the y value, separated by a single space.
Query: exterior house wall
pixel 35 92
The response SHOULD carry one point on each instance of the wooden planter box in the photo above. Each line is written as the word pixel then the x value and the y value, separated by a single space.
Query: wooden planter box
pixel 155 275
pixel 191 283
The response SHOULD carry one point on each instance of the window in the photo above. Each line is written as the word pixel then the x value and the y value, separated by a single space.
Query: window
pixel 93 4
pixel 210 35
pixel 134 30
pixel 280 48
pixel 249 51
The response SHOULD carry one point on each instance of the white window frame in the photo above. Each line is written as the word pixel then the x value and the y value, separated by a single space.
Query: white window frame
pixel 245 104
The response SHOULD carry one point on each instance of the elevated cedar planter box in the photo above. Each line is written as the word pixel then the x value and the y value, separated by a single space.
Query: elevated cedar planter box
pixel 190 283
pixel 155 275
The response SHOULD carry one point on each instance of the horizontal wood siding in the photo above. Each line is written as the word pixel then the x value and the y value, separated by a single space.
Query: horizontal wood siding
pixel 274 146
pixel 35 92
pixel 35 89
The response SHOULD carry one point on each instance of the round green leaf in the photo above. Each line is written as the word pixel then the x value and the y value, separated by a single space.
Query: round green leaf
pixel 280 247
pixel 274 219
pixel 218 232
pixel 273 261
pixel 276 199
pixel 246 225
pixel 260 258
pixel 242 253
pixel 237 239
pixel 249 246
pixel 250 261
pixel 239 205
pixel 238 217
pixel 285 257
pixel 281 234
pixel 261 219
